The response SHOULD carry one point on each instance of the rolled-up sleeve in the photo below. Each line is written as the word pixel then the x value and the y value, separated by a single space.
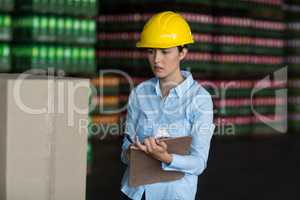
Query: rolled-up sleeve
pixel 130 124
pixel 201 132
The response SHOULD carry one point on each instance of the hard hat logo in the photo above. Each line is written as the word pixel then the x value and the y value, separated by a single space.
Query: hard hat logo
pixel 164 30
pixel 171 36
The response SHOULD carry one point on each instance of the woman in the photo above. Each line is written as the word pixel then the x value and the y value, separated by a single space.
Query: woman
pixel 171 104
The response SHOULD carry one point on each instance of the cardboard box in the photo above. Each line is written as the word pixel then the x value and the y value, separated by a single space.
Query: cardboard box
pixel 42 138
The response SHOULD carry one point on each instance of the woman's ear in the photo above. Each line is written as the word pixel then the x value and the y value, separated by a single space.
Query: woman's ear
pixel 183 53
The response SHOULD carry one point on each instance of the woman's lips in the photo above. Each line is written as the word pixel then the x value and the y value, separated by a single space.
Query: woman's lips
pixel 158 69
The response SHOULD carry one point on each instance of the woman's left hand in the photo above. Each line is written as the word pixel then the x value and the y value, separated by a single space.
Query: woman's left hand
pixel 156 148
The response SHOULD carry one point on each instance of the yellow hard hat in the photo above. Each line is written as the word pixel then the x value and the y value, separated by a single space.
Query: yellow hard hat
pixel 164 30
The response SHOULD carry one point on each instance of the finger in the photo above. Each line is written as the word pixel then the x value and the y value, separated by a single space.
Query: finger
pixel 134 147
pixel 153 143
pixel 162 144
pixel 140 146
pixel 137 141
pixel 136 138
pixel 148 145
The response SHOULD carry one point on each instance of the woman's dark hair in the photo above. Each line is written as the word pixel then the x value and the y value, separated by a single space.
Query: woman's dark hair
pixel 180 48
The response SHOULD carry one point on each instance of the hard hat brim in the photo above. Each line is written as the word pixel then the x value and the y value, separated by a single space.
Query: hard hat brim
pixel 145 45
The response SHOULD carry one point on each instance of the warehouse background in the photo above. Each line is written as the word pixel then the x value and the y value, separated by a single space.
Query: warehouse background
pixel 238 44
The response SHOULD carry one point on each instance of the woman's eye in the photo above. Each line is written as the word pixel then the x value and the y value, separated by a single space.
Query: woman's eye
pixel 150 51
pixel 165 52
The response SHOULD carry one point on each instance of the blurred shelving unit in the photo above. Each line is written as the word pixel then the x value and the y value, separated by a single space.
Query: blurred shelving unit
pixel 49 37
pixel 55 34
pixel 292 13
pixel 6 7
pixel 235 47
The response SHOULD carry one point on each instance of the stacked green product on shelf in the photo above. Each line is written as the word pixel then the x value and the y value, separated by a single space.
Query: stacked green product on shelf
pixel 55 34
pixel 7 5
pixel 5 36
pixel 5 58
pixel 5 27
pixel 55 29
pixel 67 7
pixel 72 60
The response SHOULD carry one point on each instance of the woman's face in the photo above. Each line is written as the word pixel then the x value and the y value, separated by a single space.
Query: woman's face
pixel 165 62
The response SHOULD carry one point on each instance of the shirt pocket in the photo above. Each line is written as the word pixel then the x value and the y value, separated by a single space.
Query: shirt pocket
pixel 178 126
pixel 145 124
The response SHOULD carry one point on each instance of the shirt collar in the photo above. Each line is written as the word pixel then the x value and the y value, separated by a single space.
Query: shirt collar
pixel 179 89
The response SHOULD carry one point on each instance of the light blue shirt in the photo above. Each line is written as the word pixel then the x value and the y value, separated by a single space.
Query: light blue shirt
pixel 187 110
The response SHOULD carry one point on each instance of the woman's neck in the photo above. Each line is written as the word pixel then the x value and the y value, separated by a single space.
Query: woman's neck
pixel 168 83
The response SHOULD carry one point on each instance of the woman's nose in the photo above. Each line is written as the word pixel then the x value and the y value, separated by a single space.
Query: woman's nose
pixel 157 56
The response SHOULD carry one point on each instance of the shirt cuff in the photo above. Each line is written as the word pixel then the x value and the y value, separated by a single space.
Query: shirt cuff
pixel 126 145
pixel 173 165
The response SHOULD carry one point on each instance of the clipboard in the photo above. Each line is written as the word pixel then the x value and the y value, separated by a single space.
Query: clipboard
pixel 143 169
